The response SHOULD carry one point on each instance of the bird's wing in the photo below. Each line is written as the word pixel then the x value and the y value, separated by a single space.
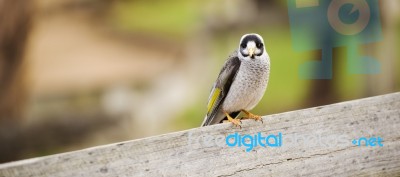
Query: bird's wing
pixel 221 87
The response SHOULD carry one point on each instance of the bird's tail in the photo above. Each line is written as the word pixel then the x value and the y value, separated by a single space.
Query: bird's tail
pixel 204 121
pixel 217 118
pixel 212 118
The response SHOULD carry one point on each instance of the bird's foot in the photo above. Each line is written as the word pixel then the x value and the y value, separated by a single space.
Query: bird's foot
pixel 236 122
pixel 252 116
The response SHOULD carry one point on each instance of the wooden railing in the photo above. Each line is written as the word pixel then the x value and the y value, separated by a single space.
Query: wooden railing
pixel 354 138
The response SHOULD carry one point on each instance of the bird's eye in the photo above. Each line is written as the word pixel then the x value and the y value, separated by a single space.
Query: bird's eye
pixel 243 45
pixel 259 45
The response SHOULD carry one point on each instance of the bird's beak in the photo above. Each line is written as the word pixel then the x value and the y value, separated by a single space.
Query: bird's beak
pixel 251 52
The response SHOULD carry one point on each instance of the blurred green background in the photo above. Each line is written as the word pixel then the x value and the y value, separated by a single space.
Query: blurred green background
pixel 81 73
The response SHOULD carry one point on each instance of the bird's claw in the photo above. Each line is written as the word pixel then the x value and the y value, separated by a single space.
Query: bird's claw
pixel 253 116
pixel 256 118
pixel 236 122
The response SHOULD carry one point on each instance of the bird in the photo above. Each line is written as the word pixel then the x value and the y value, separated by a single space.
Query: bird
pixel 241 83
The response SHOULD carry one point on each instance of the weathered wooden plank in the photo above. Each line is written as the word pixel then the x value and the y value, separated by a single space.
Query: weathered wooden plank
pixel 186 153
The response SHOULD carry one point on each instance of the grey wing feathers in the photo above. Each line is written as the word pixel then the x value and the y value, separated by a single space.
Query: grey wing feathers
pixel 223 82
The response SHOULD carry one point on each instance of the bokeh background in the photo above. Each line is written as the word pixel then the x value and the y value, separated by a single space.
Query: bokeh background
pixel 81 73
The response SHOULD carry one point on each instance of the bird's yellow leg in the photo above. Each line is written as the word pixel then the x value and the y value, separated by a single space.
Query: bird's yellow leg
pixel 235 122
pixel 252 116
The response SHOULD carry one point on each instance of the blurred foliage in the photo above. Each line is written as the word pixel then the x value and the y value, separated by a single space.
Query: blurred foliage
pixel 158 17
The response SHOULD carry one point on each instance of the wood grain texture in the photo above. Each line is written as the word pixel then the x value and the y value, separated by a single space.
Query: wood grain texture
pixel 175 154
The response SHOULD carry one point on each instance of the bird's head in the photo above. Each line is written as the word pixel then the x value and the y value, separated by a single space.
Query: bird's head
pixel 251 47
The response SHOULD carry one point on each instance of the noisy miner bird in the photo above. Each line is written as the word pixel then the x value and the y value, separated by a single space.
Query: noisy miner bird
pixel 241 83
